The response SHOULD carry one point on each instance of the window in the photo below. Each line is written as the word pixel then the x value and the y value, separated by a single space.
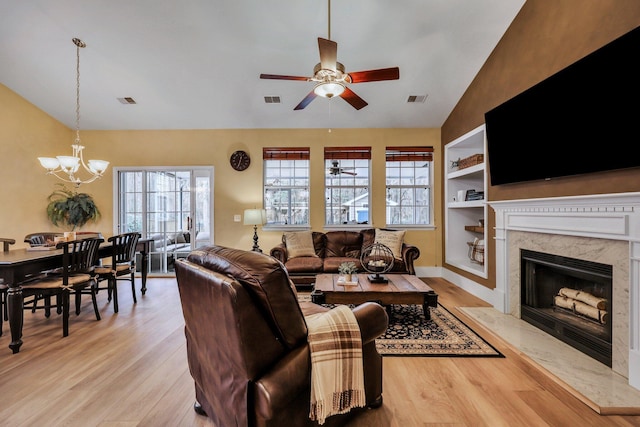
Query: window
pixel 408 185
pixel 286 186
pixel 347 185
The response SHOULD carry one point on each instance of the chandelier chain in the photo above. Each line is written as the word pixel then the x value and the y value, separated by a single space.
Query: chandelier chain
pixel 78 46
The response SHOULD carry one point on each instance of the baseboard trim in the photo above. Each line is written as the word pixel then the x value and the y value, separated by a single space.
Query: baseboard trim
pixel 487 295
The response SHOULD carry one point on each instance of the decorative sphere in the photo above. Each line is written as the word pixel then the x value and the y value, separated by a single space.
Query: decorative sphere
pixel 377 258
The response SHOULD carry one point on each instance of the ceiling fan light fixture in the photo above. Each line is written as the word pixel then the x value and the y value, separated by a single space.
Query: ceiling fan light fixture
pixel 329 89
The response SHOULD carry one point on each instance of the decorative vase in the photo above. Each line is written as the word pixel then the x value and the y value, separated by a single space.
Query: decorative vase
pixel 347 277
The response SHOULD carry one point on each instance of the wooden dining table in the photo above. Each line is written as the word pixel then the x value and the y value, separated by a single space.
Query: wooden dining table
pixel 18 264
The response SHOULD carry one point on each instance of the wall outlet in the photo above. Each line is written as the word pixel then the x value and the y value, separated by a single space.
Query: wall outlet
pixel 237 218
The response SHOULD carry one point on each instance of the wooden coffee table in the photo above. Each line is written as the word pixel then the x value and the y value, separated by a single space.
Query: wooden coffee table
pixel 401 289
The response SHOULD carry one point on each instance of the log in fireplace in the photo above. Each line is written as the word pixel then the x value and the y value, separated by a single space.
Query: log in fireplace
pixel 570 299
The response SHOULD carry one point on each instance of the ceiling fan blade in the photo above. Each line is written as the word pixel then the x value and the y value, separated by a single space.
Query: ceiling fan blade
pixel 349 173
pixel 306 101
pixel 375 75
pixel 279 77
pixel 328 53
pixel 353 99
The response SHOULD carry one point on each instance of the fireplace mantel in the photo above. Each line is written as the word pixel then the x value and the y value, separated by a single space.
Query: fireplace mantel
pixel 606 216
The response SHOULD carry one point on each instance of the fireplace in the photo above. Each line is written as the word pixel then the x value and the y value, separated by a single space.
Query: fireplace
pixel 602 228
pixel 570 299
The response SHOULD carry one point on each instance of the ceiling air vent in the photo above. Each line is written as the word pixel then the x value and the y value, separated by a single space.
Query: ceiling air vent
pixel 127 100
pixel 272 100
pixel 417 98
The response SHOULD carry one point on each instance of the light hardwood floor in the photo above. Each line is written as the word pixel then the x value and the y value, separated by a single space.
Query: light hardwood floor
pixel 130 369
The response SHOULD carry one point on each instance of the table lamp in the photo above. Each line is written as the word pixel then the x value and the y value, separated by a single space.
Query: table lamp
pixel 255 217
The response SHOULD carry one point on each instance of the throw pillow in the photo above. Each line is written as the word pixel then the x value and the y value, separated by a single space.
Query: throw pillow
pixel 392 239
pixel 299 243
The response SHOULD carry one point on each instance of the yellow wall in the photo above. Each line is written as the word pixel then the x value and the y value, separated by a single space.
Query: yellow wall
pixel 25 133
pixel 233 191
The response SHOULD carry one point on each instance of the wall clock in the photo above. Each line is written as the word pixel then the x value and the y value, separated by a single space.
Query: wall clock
pixel 239 160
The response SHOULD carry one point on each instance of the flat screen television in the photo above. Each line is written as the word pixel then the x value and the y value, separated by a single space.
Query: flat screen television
pixel 583 119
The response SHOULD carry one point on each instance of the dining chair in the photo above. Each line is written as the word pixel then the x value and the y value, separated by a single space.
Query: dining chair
pixel 122 266
pixel 76 275
pixel 4 312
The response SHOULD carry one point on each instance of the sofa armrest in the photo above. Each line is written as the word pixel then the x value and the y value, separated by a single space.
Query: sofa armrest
pixel 280 253
pixel 409 254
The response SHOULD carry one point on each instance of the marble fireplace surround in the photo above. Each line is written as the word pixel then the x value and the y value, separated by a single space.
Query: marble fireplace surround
pixel 603 228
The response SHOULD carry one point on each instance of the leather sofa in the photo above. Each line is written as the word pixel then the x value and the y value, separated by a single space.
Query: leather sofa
pixel 247 340
pixel 332 248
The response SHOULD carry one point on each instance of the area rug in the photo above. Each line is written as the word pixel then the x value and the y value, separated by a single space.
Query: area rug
pixel 410 334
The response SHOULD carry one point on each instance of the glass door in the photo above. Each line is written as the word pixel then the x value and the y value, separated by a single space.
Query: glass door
pixel 172 207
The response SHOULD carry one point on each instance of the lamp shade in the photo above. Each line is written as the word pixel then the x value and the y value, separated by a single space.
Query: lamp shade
pixel 255 217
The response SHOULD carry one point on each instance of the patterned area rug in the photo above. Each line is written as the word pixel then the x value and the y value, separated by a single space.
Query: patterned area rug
pixel 409 334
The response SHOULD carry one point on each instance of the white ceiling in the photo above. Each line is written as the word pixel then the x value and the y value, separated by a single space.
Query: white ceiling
pixel 195 64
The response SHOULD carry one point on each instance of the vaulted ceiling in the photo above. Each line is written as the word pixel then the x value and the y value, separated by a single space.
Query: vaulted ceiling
pixel 195 64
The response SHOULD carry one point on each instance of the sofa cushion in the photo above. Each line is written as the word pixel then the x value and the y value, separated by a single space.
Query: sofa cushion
pixel 331 264
pixel 179 237
pixel 339 243
pixel 304 265
pixel 299 244
pixel 268 283
pixel 392 239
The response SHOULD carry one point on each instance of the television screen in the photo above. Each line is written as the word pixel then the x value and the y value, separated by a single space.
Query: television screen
pixel 580 120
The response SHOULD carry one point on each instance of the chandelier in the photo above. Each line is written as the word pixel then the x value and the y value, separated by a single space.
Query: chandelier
pixel 66 167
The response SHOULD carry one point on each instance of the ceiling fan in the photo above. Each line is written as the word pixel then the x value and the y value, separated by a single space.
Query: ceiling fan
pixel 335 169
pixel 330 76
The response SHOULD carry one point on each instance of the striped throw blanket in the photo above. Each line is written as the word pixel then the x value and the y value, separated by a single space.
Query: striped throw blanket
pixel 337 376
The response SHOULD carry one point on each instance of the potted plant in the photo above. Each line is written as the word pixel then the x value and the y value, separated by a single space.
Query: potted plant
pixel 347 269
pixel 71 209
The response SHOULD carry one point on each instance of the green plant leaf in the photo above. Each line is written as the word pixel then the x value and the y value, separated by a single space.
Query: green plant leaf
pixel 71 209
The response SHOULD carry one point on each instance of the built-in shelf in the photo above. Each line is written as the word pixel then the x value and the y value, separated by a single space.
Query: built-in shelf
pixel 479 169
pixel 469 204
pixel 460 213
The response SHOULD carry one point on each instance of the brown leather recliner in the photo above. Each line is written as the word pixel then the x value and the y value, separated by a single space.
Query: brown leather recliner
pixel 247 340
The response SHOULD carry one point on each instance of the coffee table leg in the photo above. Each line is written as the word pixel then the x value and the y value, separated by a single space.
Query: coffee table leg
pixel 430 300
pixel 427 312
pixel 317 297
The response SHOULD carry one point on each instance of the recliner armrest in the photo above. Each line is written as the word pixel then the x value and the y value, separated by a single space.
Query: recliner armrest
pixel 372 319
pixel 290 377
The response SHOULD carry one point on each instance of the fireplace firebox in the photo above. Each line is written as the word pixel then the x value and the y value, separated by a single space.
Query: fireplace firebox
pixel 570 299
